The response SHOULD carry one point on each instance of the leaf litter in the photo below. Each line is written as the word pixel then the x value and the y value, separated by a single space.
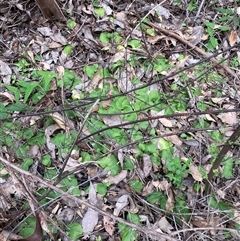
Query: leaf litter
pixel 136 45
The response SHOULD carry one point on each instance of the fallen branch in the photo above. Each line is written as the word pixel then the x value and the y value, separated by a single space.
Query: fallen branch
pixel 227 146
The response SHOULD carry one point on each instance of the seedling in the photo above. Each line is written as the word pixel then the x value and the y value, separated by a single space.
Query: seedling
pixel 71 24
pixel 127 233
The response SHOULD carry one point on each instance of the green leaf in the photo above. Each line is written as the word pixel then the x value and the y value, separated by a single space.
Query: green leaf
pixel 46 160
pixel 127 233
pixel 216 135
pixel 228 169
pixel 90 70
pixel 27 162
pixel 157 197
pixel 110 163
pixel 102 188
pixel 192 6
pixel 71 24
pixel 136 185
pixel 74 230
pixel 68 49
pixel 163 144
pixel 100 12
pixel 15 91
pixel 128 164
pixel 69 182
pixel 18 107
pixel 27 133
pixel 201 106
pixel 29 87
pixel 104 37
pixel 3 111
pixel 151 32
pixel 27 227
pixel 214 42
pixel 224 28
pixel 134 43
pixel 209 24
pixel 76 192
pixel 134 218
pixel 226 11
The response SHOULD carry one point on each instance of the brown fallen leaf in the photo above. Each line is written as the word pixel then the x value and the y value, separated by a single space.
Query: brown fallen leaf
pixel 59 119
pixel 232 38
pixel 195 173
pixel 108 225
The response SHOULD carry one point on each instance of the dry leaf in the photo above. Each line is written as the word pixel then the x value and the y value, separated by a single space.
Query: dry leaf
pixel 90 218
pixel 60 70
pixel 50 9
pixel 170 201
pixel 5 72
pixel 42 218
pixel 121 203
pixel 7 95
pixel 48 132
pixel 118 178
pixel 199 222
pixel 124 80
pixel 89 221
pixel 108 225
pixel 59 120
pixel 67 215
pixel 230 117
pixel 221 193
pixel 195 173
pixel 147 165
pixel 164 225
pixel 165 122
pixel 233 38
pixel 174 139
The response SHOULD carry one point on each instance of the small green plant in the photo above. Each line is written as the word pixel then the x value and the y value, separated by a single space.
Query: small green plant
pixel 157 197
pixel 90 70
pixel 136 185
pixel 180 207
pixel 71 24
pixel 68 49
pixel 228 168
pixel 102 188
pixel 106 37
pixel 213 42
pixel 74 230
pixel 177 170
pixel 110 163
pixel 192 6
pixel 127 233
pixel 27 228
pixel 46 160
pixel 234 62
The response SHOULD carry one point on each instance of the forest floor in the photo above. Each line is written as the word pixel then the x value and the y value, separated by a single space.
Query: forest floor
pixel 120 121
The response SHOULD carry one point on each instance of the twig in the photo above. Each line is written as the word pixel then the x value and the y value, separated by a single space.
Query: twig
pixel 207 228
pixel 198 12
pixel 235 135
